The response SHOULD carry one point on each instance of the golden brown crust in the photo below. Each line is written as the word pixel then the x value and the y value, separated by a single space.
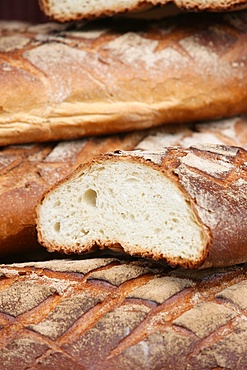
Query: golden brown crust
pixel 219 187
pixel 61 83
pixel 215 179
pixel 138 315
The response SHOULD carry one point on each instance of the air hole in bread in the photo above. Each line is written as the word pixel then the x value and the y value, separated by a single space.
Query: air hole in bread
pixel 90 197
pixel 85 232
pixel 131 179
pixel 57 227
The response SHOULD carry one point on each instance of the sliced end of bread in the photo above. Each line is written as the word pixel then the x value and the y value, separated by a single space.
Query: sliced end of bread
pixel 123 203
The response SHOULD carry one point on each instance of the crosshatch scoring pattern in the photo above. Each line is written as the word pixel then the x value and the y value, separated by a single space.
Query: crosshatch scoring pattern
pixel 106 313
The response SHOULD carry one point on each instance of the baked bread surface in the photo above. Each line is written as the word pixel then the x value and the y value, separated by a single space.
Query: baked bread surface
pixel 62 82
pixel 137 315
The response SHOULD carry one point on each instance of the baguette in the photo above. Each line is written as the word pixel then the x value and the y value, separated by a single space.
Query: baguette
pixel 185 206
pixel 27 172
pixel 112 314
pixel 66 10
pixel 68 81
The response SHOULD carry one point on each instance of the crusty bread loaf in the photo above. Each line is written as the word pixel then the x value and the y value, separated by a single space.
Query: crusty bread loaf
pixel 61 82
pixel 67 10
pixel 107 314
pixel 26 172
pixel 185 206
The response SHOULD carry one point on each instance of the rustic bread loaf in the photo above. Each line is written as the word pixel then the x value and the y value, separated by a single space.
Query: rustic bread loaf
pixel 67 10
pixel 26 172
pixel 109 314
pixel 61 82
pixel 185 206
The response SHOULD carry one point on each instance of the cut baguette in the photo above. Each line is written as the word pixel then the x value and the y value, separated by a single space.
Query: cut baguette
pixel 27 171
pixel 68 10
pixel 185 206
pixel 98 78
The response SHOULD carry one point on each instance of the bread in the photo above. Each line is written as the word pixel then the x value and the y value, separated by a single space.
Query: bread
pixel 67 10
pixel 185 206
pixel 28 171
pixel 109 314
pixel 68 81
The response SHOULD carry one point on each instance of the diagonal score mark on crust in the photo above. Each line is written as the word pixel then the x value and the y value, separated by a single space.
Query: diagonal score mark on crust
pixel 18 326
pixel 8 332
pixel 221 333
pixel 60 285
pixel 74 284
pixel 90 318
pixel 164 315
pixel 207 287
pixel 44 346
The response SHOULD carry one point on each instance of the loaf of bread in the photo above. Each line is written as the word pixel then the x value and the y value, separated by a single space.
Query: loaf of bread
pixel 185 206
pixel 107 314
pixel 67 10
pixel 27 172
pixel 67 81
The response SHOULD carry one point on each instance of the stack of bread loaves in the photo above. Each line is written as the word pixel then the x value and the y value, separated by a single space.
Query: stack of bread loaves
pixel 123 186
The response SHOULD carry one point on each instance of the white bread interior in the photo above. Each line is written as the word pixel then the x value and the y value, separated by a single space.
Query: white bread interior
pixel 121 204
